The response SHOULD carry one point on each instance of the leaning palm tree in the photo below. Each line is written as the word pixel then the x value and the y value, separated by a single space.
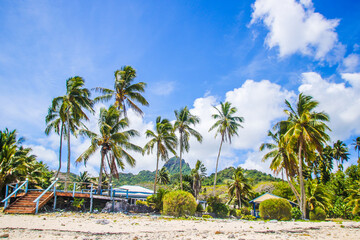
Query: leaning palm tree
pixel 198 173
pixel 227 126
pixel 163 139
pixel 125 91
pixel 163 177
pixel 356 144
pixel 306 133
pixel 111 140
pixel 183 122
pixel 340 153
pixel 69 109
pixel 239 186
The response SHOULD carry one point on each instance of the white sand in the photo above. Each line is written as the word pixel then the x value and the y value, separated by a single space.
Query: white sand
pixel 120 226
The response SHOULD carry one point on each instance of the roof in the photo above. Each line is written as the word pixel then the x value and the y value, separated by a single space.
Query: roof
pixel 267 196
pixel 132 188
pixel 133 191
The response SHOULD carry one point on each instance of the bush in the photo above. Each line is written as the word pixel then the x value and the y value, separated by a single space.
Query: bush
pixel 206 216
pixel 199 208
pixel 296 213
pixel 179 203
pixel 221 210
pixel 156 200
pixel 248 217
pixel 139 202
pixel 318 214
pixel 275 208
pixel 233 212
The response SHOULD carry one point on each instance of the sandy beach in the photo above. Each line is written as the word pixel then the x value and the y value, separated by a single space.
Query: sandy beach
pixel 120 226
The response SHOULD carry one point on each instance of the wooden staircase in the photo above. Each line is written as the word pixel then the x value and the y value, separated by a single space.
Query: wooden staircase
pixel 25 203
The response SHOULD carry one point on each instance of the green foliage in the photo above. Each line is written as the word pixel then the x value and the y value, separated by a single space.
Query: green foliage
pixel 179 203
pixel 156 200
pixel 206 216
pixel 139 202
pixel 295 213
pixel 199 208
pixel 282 189
pixel 215 206
pixel 275 208
pixel 248 217
pixel 340 210
pixel 232 212
pixel 78 202
pixel 318 214
pixel 173 166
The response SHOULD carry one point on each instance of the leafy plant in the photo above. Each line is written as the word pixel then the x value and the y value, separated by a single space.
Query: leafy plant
pixel 78 202
pixel 179 203
pixel 295 213
pixel 275 208
pixel 318 214
pixel 220 209
pixel 248 217
pixel 156 200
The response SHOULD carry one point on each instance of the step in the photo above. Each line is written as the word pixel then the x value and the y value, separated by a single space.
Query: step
pixel 19 211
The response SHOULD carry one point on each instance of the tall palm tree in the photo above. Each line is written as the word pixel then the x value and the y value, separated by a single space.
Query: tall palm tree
pixel 340 153
pixel 306 133
pixel 112 139
pixel 239 186
pixel 317 195
pixel 227 126
pixel 198 173
pixel 125 91
pixel 282 159
pixel 70 111
pixel 183 122
pixel 356 144
pixel 163 177
pixel 163 139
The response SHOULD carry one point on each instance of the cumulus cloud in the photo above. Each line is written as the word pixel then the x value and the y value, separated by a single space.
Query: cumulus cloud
pixel 44 154
pixel 351 62
pixel 339 100
pixel 163 88
pixel 295 27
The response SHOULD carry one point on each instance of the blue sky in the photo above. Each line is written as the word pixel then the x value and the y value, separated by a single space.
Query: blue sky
pixel 194 53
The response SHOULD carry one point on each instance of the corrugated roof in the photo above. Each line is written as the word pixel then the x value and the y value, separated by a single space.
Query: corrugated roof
pixel 138 189
pixel 264 197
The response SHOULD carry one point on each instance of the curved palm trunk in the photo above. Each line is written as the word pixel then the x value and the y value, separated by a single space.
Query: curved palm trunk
pixel 217 163
pixel 181 182
pixel 101 170
pixel 69 153
pixel 302 187
pixel 61 137
pixel 239 199
pixel 157 168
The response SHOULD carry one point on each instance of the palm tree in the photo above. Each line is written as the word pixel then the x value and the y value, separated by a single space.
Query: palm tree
pixel 353 200
pixel 282 159
pixel 317 195
pixel 306 133
pixel 198 174
pixel 340 153
pixel 110 140
pixel 163 139
pixel 70 111
pixel 125 91
pixel 164 177
pixel 184 120
pixel 326 164
pixel 356 144
pixel 227 126
pixel 239 186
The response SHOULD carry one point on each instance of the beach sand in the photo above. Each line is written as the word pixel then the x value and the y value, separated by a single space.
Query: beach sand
pixel 121 226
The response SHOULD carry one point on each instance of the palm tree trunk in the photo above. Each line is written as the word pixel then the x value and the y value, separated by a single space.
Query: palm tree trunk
pixel 68 162
pixel 302 187
pixel 296 193
pixel 217 163
pixel 157 167
pixel 239 199
pixel 101 170
pixel 61 137
pixel 181 182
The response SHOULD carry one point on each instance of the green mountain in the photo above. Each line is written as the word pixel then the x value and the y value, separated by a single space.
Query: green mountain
pixel 173 166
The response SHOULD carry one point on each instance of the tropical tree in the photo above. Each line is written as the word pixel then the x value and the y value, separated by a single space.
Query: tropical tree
pixel 198 173
pixel 227 126
pixel 163 139
pixel 239 187
pixel 317 195
pixel 163 177
pixel 282 158
pixel 356 144
pixel 126 93
pixel 353 200
pixel 112 139
pixel 183 122
pixel 325 164
pixel 340 153
pixel 69 110
pixel 306 133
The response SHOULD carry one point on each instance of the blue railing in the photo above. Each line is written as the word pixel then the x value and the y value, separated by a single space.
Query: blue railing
pixel 7 197
pixel 53 184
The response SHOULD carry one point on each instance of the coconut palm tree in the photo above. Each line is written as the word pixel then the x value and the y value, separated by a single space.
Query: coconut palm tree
pixel 317 195
pixel 281 158
pixel 163 139
pixel 340 153
pixel 125 91
pixel 198 173
pixel 356 144
pixel 353 200
pixel 227 126
pixel 69 110
pixel 111 139
pixel 239 186
pixel 163 177
pixel 183 122
pixel 306 133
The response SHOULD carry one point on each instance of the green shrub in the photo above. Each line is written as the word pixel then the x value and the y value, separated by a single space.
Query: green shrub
pixel 232 212
pixel 156 200
pixel 275 208
pixel 221 210
pixel 296 213
pixel 238 213
pixel 199 208
pixel 206 216
pixel 248 217
pixel 78 202
pixel 139 202
pixel 179 203
pixel 318 214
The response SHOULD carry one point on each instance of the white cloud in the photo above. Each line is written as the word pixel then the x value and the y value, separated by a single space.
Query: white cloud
pixel 341 102
pixel 295 27
pixel 351 62
pixel 46 155
pixel 163 88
